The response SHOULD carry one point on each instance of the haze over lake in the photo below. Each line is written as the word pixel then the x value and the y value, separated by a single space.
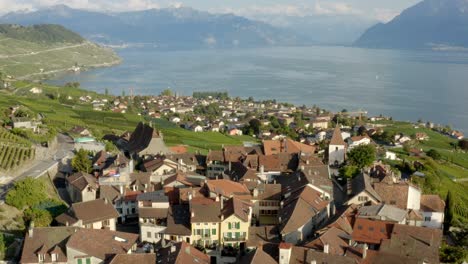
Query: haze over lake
pixel 406 85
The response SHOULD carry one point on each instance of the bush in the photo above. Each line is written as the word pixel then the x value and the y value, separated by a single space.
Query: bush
pixel 26 193
pixel 451 254
pixel 434 154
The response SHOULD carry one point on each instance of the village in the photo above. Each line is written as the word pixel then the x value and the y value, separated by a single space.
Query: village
pixel 310 187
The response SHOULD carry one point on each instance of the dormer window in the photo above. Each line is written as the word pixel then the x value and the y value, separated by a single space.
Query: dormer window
pixel 41 257
pixel 54 257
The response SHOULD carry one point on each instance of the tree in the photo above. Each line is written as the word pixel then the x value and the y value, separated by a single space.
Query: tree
pixel 255 125
pixel 106 91
pixel 362 156
pixel 463 144
pixel 26 193
pixel 449 209
pixel 41 217
pixel 362 131
pixel 452 254
pixel 349 171
pixel 434 154
pixel 167 92
pixel 81 161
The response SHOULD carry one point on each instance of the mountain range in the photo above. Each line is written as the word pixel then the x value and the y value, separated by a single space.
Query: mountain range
pixel 170 27
pixel 428 24
pixel 185 27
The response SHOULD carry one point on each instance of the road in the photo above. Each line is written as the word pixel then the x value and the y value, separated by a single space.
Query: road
pixel 43 51
pixel 41 165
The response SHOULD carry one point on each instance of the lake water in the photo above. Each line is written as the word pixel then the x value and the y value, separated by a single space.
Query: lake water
pixel 406 85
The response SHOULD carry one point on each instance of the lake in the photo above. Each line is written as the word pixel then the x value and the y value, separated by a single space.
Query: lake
pixel 407 85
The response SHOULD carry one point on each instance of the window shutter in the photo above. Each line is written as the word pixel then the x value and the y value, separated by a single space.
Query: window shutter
pixel 229 225
pixel 88 261
pixel 79 261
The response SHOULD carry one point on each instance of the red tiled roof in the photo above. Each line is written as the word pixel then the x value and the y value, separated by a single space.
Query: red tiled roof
pixel 180 149
pixel 371 231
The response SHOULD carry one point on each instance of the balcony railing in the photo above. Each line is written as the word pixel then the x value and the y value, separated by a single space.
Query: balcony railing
pixel 230 239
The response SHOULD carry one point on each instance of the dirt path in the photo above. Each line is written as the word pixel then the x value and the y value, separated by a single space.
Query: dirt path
pixel 43 51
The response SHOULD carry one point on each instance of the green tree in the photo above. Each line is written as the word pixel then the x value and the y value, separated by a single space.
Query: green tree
pixel 362 156
pixel 255 125
pixel 463 144
pixel 167 92
pixel 434 154
pixel 106 91
pixel 26 193
pixel 41 217
pixel 349 171
pixel 2 245
pixel 449 210
pixel 451 254
pixel 81 161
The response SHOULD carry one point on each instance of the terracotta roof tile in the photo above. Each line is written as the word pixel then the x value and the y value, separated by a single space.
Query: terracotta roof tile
pixel 371 231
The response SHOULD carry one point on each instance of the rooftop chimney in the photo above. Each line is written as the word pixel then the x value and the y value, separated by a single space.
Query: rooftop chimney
pixel 255 192
pixel 262 169
pixel 31 229
pixel 326 248
pixel 364 251
pixel 193 214
pixel 285 253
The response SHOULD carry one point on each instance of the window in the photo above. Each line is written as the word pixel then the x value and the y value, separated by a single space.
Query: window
pixel 362 198
pixel 54 257
pixel 88 261
pixel 148 234
pixel 199 232
pixel 41 257
pixel 237 234
pixel 371 228
pixel 392 202
pixel 359 227
pixel 106 222
pixel 427 219
pixel 213 232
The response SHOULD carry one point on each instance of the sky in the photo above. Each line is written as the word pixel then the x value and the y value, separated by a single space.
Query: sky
pixel 382 10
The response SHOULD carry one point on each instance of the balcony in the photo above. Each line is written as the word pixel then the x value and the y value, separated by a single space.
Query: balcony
pixel 234 239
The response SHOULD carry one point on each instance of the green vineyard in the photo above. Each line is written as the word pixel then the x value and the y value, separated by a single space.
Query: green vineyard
pixel 14 150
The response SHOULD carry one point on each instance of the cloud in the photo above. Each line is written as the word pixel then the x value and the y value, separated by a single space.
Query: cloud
pixel 301 10
pixel 384 15
pixel 337 8
pixel 14 5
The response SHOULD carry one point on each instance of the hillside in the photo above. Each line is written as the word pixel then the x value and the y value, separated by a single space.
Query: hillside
pixel 428 24
pixel 36 51
pixel 48 34
pixel 167 28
